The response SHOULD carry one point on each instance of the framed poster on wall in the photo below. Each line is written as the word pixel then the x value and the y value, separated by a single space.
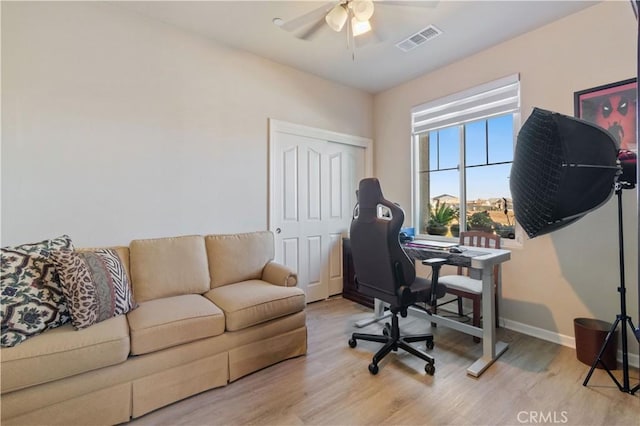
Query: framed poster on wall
pixel 613 107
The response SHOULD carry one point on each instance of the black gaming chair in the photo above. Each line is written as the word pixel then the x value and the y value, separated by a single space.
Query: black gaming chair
pixel 384 271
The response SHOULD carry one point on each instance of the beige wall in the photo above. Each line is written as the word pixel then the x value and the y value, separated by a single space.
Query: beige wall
pixel 117 127
pixel 573 272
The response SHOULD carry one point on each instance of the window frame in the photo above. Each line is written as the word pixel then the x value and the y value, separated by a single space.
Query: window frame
pixel 423 132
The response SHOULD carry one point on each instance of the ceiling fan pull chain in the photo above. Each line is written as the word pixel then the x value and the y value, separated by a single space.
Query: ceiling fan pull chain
pixel 351 43
pixel 347 33
pixel 353 47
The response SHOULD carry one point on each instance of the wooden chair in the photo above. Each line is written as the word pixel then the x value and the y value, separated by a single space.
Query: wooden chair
pixel 461 285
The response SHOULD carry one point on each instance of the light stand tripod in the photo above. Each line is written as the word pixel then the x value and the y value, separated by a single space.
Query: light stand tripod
pixel 622 317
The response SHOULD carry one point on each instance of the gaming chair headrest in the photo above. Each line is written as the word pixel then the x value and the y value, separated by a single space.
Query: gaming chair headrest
pixel 370 197
pixel 369 193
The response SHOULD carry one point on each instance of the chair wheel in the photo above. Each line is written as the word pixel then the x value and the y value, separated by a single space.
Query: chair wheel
pixel 430 369
pixel 386 329
pixel 373 369
pixel 430 344
pixel 352 343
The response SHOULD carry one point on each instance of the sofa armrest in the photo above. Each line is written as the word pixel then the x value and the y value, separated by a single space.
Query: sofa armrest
pixel 278 274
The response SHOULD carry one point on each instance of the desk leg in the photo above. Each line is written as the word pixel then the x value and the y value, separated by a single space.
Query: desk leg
pixel 491 349
pixel 378 314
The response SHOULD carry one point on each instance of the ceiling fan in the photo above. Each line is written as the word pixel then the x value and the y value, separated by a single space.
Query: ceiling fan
pixel 354 15
pixel 360 11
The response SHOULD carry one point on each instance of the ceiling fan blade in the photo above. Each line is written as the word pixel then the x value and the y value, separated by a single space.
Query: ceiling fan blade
pixel 366 39
pixel 414 3
pixel 378 34
pixel 313 30
pixel 307 18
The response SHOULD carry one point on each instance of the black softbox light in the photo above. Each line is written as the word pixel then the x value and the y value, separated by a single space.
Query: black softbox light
pixel 563 168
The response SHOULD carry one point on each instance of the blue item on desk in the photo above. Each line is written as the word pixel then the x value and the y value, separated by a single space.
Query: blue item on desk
pixel 404 237
pixel 409 231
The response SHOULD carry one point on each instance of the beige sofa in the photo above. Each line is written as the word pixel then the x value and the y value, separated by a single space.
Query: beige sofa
pixel 211 309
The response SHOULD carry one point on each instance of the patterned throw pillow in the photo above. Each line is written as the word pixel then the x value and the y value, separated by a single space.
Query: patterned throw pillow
pixel 95 285
pixel 30 292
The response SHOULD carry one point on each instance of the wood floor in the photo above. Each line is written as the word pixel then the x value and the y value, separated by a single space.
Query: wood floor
pixel 534 382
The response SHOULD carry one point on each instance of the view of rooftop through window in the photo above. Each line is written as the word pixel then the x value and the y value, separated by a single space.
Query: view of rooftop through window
pixel 464 173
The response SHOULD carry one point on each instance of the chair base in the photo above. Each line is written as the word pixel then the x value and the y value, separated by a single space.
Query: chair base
pixel 476 310
pixel 393 341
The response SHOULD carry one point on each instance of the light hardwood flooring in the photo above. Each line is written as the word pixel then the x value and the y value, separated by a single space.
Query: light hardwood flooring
pixel 534 382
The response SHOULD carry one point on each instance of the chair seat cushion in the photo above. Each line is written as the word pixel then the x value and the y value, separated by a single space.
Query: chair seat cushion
pixel 64 352
pixel 171 321
pixel 424 284
pixel 252 302
pixel 461 282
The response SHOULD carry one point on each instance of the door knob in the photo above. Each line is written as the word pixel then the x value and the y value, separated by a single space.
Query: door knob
pixel 278 230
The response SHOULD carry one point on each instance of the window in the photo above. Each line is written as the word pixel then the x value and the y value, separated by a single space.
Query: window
pixel 463 150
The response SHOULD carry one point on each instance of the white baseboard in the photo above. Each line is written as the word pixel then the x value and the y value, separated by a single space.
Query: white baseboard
pixel 560 339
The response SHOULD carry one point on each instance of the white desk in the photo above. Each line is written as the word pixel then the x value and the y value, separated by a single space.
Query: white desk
pixel 491 347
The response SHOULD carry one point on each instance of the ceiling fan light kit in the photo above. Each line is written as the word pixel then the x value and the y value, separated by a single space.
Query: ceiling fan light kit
pixel 362 9
pixel 337 17
pixel 360 12
pixel 359 27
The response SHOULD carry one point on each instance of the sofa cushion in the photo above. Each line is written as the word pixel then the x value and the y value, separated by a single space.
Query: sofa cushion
pixel 238 257
pixel 32 299
pixel 253 302
pixel 94 284
pixel 162 323
pixel 164 267
pixel 64 352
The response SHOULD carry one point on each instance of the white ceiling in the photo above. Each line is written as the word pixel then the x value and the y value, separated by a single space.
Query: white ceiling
pixel 467 26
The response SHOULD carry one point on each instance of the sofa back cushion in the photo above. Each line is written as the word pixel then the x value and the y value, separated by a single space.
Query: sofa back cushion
pixel 238 257
pixel 163 267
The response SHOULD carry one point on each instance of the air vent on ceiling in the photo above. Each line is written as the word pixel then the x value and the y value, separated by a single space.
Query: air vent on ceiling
pixel 418 38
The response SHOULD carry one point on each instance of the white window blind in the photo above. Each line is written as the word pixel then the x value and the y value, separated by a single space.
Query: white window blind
pixel 490 99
